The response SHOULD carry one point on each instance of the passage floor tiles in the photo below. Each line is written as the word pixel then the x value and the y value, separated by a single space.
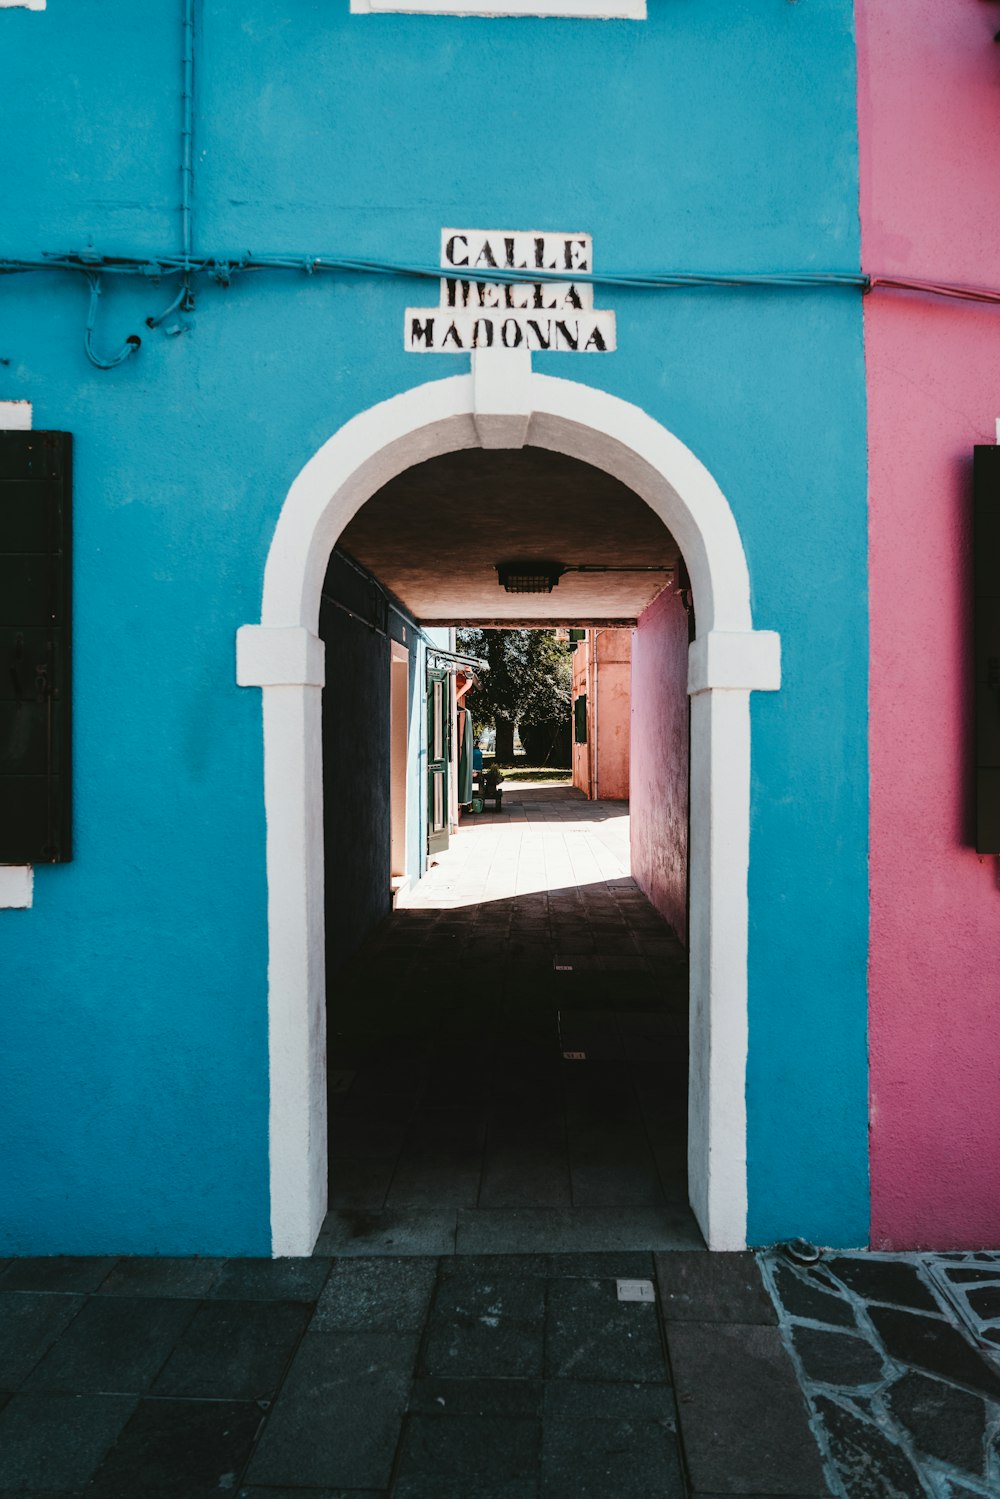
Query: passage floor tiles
pixel 419 1376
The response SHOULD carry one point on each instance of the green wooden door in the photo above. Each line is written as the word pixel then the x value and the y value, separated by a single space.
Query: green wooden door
pixel 437 760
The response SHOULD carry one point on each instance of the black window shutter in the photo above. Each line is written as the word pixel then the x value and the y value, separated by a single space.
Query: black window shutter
pixel 35 598
pixel 986 552
pixel 580 719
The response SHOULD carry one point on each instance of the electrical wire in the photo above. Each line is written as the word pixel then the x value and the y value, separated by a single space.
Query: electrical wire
pixel 93 265
pixel 128 347
pixel 935 288
pixel 223 268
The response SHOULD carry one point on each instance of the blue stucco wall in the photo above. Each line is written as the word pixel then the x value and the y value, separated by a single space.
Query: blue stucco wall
pixel 718 134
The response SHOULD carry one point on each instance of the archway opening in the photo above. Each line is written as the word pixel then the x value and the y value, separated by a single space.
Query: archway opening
pixel 502 403
pixel 507 1005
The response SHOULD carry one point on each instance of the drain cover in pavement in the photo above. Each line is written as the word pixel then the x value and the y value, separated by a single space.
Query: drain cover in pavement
pixel 636 1290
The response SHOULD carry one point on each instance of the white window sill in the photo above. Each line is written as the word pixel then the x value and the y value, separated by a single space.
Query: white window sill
pixel 16 886
pixel 594 10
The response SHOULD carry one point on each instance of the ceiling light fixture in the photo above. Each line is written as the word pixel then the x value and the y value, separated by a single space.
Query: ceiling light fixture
pixel 529 577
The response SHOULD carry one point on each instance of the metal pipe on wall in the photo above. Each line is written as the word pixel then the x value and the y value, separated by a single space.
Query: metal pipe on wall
pixel 187 147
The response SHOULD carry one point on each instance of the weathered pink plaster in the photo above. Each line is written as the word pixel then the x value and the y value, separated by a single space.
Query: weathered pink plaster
pixel 602 670
pixel 929 107
pixel 659 780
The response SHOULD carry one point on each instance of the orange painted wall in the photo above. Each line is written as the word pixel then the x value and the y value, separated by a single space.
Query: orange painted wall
pixel 606 753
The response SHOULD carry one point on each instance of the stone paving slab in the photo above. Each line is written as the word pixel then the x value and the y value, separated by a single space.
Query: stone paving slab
pixel 55 1441
pixel 30 1322
pixel 593 1458
pixel 170 1447
pixel 743 1417
pixel 114 1345
pixel 336 1421
pixel 55 1273
pixel 271 1493
pixel 453 1457
pixel 604 1229
pixel 712 1288
pixel 233 1350
pixel 376 1295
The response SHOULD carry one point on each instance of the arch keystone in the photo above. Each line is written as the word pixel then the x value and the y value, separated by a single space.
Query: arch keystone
pixel 501 396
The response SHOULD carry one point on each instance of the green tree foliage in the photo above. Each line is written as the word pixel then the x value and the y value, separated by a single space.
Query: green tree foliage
pixel 529 681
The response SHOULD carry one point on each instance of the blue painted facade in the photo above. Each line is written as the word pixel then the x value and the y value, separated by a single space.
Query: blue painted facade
pixel 716 135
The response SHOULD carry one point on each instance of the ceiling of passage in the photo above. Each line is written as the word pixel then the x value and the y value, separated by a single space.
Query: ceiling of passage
pixel 434 534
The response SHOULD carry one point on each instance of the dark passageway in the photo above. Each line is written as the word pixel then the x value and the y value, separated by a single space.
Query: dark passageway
pixel 510 1073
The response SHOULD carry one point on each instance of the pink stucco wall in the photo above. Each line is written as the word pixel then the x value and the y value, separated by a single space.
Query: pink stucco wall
pixel 929 105
pixel 659 780
pixel 602 670
pixel 614 678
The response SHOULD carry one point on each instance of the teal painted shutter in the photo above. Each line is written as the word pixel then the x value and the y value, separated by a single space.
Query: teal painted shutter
pixel 465 760
pixel 35 595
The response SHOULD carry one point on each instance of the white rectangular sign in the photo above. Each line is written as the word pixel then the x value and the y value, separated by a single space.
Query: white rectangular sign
pixel 538 315
pixel 442 330
pixel 514 250
pixel 514 296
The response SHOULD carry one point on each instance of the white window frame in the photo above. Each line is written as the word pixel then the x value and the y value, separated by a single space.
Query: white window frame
pixel 593 10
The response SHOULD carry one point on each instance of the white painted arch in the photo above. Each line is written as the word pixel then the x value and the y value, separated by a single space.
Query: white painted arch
pixel 502 403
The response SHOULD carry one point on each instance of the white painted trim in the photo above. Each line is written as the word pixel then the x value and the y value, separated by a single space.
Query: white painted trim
pixel 17 884
pixel 296 965
pixel 22 4
pixel 282 657
pixel 15 416
pixel 593 10
pixel 443 416
pixel 501 396
pixel 729 661
pixel 17 881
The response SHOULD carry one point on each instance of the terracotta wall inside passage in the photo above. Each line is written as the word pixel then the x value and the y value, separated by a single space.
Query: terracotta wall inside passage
pixel 614 673
pixel 602 672
pixel 659 759
pixel 929 104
